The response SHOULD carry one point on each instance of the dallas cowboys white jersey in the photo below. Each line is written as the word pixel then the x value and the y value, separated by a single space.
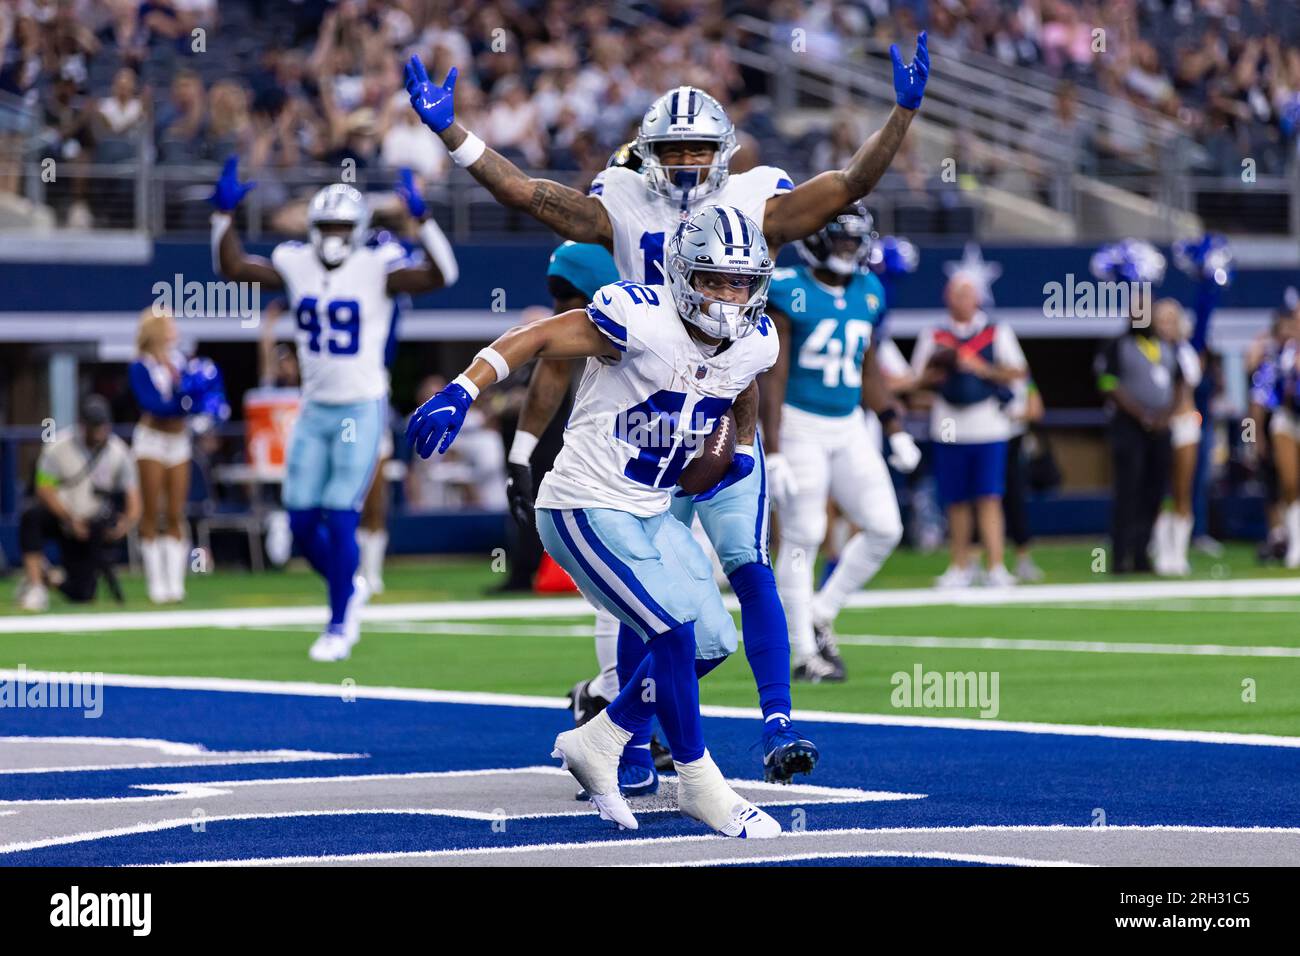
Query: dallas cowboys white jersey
pixel 643 222
pixel 344 317
pixel 637 421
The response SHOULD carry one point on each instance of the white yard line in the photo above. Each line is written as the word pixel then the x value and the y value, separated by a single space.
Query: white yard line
pixel 540 608
pixel 791 837
pixel 483 698
pixel 1080 647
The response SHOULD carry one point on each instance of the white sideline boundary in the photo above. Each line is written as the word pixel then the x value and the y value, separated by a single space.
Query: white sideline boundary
pixel 1068 647
pixel 483 698
pixel 538 608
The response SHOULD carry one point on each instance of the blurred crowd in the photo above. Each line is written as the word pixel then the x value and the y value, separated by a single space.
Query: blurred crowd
pixel 557 84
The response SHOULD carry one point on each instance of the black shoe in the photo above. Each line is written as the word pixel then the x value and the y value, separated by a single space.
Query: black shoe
pixel 511 586
pixel 827 648
pixel 818 670
pixel 663 757
pixel 585 705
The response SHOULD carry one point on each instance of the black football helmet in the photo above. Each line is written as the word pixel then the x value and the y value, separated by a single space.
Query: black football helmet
pixel 826 248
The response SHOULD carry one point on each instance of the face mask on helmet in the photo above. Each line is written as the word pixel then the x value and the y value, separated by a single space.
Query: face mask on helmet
pixel 722 305
pixel 332 247
pixel 719 272
pixel 685 115
pixel 337 220
pixel 842 246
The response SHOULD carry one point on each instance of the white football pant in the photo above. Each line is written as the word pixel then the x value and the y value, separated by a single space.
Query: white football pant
pixel 835 457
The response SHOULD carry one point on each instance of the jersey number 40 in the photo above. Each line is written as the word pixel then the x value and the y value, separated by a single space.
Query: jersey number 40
pixel 839 360
pixel 341 331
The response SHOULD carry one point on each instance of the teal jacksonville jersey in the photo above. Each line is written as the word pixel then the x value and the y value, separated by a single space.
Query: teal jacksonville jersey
pixel 584 265
pixel 830 331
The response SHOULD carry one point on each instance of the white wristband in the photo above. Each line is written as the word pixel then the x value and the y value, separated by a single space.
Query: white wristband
pixel 494 358
pixel 745 450
pixel 521 449
pixel 467 384
pixel 220 223
pixel 468 152
pixel 439 250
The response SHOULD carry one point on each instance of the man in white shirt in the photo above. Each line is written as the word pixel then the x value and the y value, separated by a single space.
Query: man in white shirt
pixel 970 362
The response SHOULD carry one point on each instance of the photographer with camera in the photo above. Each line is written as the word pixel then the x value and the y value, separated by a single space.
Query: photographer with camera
pixel 87 499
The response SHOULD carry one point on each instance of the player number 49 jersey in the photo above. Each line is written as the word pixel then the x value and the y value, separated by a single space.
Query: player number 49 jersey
pixel 344 317
pixel 643 223
pixel 830 332
pixel 637 421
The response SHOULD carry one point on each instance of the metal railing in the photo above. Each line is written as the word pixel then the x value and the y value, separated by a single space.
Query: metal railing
pixel 171 201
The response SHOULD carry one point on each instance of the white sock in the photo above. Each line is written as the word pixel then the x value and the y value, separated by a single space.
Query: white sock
pixel 1180 537
pixel 605 684
pixel 151 553
pixel 859 561
pixel 373 546
pixel 176 561
pixel 1293 534
pixel 794 585
pixel 1159 545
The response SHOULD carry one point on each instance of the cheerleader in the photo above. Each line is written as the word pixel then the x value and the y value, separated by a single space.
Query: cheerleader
pixel 162 450
pixel 1173 529
pixel 1275 392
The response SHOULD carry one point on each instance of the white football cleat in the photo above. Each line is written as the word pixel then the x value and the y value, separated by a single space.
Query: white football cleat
pixel 956 577
pixel 591 753
pixel 330 647
pixel 702 794
pixel 999 577
pixel 34 599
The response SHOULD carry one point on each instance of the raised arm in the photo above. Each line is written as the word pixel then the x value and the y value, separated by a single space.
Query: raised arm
pixel 228 257
pixel 569 212
pixel 439 268
pixel 572 334
pixel 811 205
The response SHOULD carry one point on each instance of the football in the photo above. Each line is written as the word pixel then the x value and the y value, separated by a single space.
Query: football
pixel 712 460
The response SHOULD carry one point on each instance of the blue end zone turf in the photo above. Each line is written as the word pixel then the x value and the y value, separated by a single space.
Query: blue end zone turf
pixel 969 777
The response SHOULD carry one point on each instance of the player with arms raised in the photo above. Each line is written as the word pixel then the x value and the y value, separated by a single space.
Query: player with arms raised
pixel 342 293
pixel 663 368
pixel 686 142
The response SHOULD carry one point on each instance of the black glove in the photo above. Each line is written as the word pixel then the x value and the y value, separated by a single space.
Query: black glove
pixel 520 493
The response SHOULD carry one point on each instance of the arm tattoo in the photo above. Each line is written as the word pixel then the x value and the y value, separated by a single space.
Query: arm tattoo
pixel 874 156
pixel 565 210
pixel 503 179
pixel 745 409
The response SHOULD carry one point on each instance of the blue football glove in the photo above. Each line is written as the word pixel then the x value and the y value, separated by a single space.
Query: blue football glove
pixel 228 191
pixel 410 193
pixel 432 102
pixel 742 464
pixel 437 422
pixel 909 78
